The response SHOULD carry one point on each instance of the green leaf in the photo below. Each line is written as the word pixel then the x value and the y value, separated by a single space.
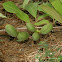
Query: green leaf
pixel 57 5
pixel 1 40
pixel 42 60
pixel 32 9
pixel 42 43
pixel 42 22
pixel 39 59
pixel 48 4
pixel 59 58
pixel 12 8
pixel 46 46
pixel 22 16
pixel 40 9
pixel 25 3
pixel 52 12
pixel 37 56
pixel 1 15
pixel 22 36
pixel 47 52
pixel 51 60
pixel 46 28
pixel 40 51
pixel 11 30
pixel 42 16
pixel 58 49
pixel 61 1
pixel 39 6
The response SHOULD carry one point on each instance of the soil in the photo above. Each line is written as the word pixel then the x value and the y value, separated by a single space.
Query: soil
pixel 13 51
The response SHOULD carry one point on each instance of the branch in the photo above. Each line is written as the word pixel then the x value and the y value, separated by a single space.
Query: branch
pixel 55 29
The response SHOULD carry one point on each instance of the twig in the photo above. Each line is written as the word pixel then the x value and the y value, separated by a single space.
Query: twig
pixel 3 32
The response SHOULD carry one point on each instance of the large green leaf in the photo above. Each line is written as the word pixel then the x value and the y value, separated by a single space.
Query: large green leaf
pixel 42 22
pixel 12 8
pixel 25 3
pixel 57 5
pixel 52 12
pixel 32 9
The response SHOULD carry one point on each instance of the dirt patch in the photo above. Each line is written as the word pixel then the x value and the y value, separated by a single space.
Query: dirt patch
pixel 11 51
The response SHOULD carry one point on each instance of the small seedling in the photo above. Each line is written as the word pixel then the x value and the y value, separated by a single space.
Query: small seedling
pixel 48 55
pixel 45 7
pixel 60 58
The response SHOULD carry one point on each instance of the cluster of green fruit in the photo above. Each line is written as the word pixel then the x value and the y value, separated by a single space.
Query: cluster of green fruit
pixel 25 35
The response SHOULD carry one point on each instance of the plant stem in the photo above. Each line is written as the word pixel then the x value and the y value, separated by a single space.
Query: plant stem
pixel 58 29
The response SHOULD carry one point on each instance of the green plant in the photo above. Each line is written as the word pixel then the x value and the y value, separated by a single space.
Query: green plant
pixel 48 55
pixel 32 8
pixel 60 58
pixel 1 40
pixel 57 5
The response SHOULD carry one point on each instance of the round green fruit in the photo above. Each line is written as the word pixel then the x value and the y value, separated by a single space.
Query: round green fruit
pixel 30 27
pixel 11 30
pixel 46 28
pixel 35 36
pixel 23 36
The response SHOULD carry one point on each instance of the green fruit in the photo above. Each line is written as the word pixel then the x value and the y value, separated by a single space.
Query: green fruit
pixel 30 27
pixel 11 30
pixel 35 36
pixel 46 28
pixel 23 36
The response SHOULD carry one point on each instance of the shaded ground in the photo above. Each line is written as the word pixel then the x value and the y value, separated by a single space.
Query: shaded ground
pixel 11 51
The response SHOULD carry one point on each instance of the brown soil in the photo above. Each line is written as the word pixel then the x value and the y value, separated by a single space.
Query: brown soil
pixel 12 51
